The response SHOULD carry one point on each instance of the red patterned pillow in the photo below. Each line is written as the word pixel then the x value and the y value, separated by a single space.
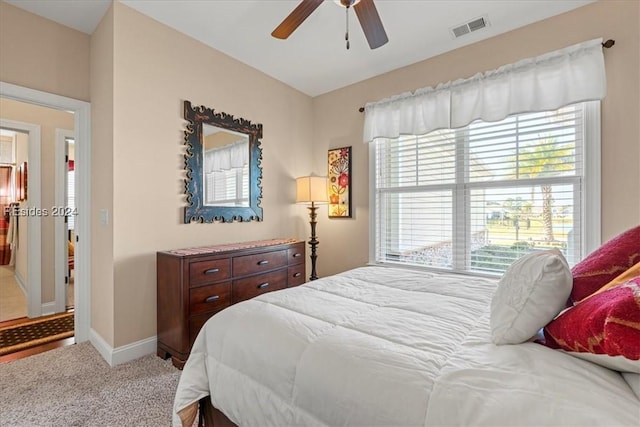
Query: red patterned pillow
pixel 605 263
pixel 604 329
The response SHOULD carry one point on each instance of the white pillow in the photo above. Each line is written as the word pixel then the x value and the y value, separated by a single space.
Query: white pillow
pixel 532 291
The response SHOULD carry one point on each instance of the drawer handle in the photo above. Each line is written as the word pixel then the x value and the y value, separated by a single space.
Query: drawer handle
pixel 212 298
pixel 263 285
pixel 211 271
pixel 263 262
pixel 297 255
pixel 297 275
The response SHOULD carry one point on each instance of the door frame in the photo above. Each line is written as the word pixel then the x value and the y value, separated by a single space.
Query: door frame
pixel 82 135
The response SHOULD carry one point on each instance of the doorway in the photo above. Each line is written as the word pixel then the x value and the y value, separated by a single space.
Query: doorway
pixel 82 112
pixel 28 152
pixel 28 265
pixel 13 160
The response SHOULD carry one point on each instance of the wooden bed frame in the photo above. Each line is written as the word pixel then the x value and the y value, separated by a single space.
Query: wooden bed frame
pixel 210 416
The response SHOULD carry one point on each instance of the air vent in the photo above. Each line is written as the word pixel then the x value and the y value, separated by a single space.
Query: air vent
pixel 476 24
pixel 461 30
pixel 468 27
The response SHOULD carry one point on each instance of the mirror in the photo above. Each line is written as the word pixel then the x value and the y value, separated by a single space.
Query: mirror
pixel 223 167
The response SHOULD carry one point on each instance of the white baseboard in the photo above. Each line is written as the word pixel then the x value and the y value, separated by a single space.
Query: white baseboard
pixel 48 308
pixel 124 354
pixel 20 283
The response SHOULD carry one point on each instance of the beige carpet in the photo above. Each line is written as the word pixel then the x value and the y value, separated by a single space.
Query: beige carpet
pixel 74 386
pixel 13 302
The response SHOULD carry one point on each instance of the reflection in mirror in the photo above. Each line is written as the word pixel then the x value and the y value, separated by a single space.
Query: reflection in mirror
pixel 225 166
pixel 222 164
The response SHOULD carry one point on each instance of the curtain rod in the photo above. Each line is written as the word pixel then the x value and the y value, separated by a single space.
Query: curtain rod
pixel 607 44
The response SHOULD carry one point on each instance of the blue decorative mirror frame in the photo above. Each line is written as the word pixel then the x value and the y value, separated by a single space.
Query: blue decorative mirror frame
pixel 197 210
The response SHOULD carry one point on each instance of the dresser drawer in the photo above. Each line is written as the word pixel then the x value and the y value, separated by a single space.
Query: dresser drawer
pixel 253 286
pixel 296 275
pixel 209 298
pixel 296 254
pixel 209 271
pixel 252 264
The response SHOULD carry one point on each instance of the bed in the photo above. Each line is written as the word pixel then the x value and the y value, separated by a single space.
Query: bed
pixel 380 346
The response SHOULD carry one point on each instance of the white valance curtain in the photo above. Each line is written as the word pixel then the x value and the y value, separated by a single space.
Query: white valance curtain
pixel 232 156
pixel 547 82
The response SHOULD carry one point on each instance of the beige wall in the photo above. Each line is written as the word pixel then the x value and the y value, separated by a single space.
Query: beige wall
pixel 155 70
pixel 337 122
pixel 49 120
pixel 102 105
pixel 40 54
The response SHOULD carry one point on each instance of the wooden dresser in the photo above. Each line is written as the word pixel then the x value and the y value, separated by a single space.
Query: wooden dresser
pixel 195 283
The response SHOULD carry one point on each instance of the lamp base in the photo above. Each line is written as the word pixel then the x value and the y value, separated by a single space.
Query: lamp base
pixel 313 242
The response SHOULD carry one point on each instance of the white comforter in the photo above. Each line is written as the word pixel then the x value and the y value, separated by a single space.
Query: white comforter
pixel 379 346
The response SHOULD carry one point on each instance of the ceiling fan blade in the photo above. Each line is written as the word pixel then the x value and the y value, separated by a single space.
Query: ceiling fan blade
pixel 371 24
pixel 295 18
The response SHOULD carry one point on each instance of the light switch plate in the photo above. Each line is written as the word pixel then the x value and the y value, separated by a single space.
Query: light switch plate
pixel 104 216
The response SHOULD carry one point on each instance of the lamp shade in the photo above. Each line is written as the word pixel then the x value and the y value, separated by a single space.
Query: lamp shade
pixel 311 189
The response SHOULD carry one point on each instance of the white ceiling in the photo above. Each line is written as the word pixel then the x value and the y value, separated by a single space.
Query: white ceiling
pixel 314 59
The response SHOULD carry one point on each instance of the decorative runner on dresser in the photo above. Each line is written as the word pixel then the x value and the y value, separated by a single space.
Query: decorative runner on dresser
pixel 35 332
pixel 231 247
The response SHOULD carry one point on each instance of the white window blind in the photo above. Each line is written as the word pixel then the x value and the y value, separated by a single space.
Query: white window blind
pixel 228 187
pixel 475 199
pixel 7 148
pixel 71 199
pixel 71 185
pixel 8 159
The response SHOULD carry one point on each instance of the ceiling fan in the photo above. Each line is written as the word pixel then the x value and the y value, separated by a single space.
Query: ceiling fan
pixel 365 11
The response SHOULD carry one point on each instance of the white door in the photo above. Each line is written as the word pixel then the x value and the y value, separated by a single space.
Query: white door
pixel 64 219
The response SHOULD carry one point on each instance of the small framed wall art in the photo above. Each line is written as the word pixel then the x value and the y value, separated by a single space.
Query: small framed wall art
pixel 339 181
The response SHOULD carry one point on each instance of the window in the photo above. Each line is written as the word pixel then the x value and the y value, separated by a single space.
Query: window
pixel 475 199
pixel 226 169
pixel 228 187
pixel 71 200
pixel 7 168
pixel 71 184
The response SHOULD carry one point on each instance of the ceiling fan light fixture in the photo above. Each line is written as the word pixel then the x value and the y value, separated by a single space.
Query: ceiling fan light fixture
pixel 346 3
